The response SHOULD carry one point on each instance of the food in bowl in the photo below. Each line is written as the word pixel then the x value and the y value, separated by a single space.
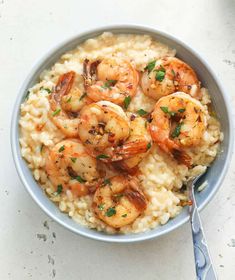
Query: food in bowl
pixel 115 128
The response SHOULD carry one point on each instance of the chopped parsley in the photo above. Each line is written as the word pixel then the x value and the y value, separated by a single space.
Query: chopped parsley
pixel 118 196
pixel 124 215
pixel 102 156
pixel 27 95
pixel 110 212
pixel 176 131
pixel 48 90
pixel 150 66
pixel 160 74
pixel 109 83
pixel 107 182
pixel 80 179
pixel 61 149
pixel 56 112
pixel 41 148
pixel 142 112
pixel 101 206
pixel 84 95
pixel 166 111
pixel 181 110
pixel 127 101
pixel 59 190
pixel 149 145
pixel 73 159
pixel 69 99
pixel 172 72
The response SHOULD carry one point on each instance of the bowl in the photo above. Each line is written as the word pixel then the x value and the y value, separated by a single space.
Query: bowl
pixel 214 175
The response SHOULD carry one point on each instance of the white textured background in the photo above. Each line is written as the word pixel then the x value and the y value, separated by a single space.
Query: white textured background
pixel 28 28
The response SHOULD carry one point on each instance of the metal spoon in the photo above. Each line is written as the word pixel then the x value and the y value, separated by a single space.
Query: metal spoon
pixel 203 262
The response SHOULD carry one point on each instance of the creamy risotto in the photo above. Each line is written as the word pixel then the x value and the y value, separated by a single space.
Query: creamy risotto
pixel 113 131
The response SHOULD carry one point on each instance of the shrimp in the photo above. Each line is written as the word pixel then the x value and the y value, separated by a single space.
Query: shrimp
pixel 139 136
pixel 168 75
pixel 71 167
pixel 65 102
pixel 179 121
pixel 112 79
pixel 134 149
pixel 103 124
pixel 119 201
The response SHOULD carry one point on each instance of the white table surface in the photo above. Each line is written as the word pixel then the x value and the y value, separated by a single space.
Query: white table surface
pixel 27 30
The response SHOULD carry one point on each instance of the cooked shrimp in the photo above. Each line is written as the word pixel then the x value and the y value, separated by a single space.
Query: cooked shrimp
pixel 103 124
pixel 168 75
pixel 65 102
pixel 75 99
pixel 139 134
pixel 112 79
pixel 135 148
pixel 179 121
pixel 119 201
pixel 71 167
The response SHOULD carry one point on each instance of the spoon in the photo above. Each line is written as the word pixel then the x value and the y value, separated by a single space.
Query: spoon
pixel 203 262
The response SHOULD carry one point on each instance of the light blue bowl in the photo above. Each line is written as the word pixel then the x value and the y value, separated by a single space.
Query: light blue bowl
pixel 215 174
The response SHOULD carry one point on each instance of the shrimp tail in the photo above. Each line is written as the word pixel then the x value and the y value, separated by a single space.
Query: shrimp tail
pixel 90 71
pixel 132 148
pixel 122 167
pixel 127 150
pixel 181 156
pixel 137 199
pixel 63 87
pixel 135 195
pixel 172 148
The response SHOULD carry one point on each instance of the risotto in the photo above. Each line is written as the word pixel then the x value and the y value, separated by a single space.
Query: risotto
pixel 114 129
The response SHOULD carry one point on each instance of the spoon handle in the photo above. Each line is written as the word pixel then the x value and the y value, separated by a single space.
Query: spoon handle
pixel 203 262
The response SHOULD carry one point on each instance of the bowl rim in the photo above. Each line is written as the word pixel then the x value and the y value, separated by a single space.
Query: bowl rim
pixel 15 119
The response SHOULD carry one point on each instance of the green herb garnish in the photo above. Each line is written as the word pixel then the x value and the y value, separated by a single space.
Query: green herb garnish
pixel 107 182
pixel 181 110
pixel 80 179
pixel 27 95
pixel 101 206
pixel 110 212
pixel 59 189
pixel 41 148
pixel 150 66
pixel 109 84
pixel 124 215
pixel 149 145
pixel 142 112
pixel 101 156
pixel 56 112
pixel 69 99
pixel 48 90
pixel 127 101
pixel 118 196
pixel 173 72
pixel 73 159
pixel 61 149
pixel 176 131
pixel 84 95
pixel 160 74
pixel 146 124
pixel 166 111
